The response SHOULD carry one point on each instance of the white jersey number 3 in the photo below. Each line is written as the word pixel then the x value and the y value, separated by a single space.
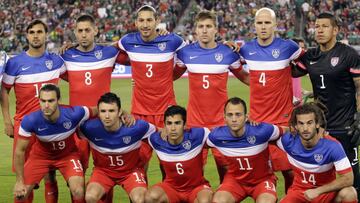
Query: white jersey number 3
pixel 149 72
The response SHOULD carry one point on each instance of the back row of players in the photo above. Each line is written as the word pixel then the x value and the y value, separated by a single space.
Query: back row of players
pixel 152 58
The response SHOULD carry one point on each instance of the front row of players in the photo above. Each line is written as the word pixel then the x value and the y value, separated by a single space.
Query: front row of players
pixel 314 156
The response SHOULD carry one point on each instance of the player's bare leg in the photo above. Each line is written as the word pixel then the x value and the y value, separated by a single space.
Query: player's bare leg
pixel 204 196
pixel 223 197
pixel 51 188
pixel 76 185
pixel 28 197
pixel 94 192
pixel 347 194
pixel 288 179
pixel 156 195
pixel 137 195
pixel 266 198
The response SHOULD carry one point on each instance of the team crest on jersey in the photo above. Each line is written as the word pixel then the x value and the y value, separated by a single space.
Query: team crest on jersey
pixel 67 125
pixel 126 139
pixel 251 139
pixel 187 145
pixel 219 57
pixel 49 64
pixel 162 46
pixel 318 157
pixel 275 53
pixel 334 61
pixel 98 54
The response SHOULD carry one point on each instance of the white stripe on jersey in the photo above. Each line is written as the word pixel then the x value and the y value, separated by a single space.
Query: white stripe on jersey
pixel 208 68
pixel 296 54
pixel 246 151
pixel 267 65
pixel 147 57
pixel 181 46
pixel 49 138
pixel 121 150
pixel 276 133
pixel 150 131
pixel 179 157
pixel 342 164
pixel 32 78
pixel 24 133
pixel 84 66
pixel 86 115
pixel 311 168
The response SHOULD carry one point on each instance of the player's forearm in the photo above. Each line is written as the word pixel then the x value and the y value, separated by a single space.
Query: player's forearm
pixel 5 106
pixel 19 164
pixel 357 89
pixel 342 181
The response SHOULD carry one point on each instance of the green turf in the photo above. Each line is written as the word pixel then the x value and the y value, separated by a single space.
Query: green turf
pixel 122 88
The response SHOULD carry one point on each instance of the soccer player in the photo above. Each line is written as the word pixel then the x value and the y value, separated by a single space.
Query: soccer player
pixel 245 149
pixel 27 73
pixel 182 161
pixel 53 127
pixel 115 149
pixel 152 61
pixel 89 67
pixel 271 96
pixel 334 70
pixel 315 157
pixel 3 59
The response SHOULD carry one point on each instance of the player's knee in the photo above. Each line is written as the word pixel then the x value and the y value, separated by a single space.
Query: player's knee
pixel 91 197
pixel 77 192
pixel 346 194
pixel 138 198
pixel 220 198
pixel 266 198
pixel 152 196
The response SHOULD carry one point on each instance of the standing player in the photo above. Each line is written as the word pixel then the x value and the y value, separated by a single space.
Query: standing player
pixel 334 70
pixel 208 64
pixel 271 96
pixel 89 67
pixel 115 149
pixel 245 149
pixel 182 161
pixel 54 127
pixel 3 59
pixel 27 73
pixel 152 61
pixel 315 157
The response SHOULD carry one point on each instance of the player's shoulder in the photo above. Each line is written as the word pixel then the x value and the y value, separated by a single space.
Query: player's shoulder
pixel 345 49
pixel 140 126
pixel 287 139
pixel 91 124
pixel 108 49
pixel 73 110
pixel 331 142
pixel 129 37
pixel 219 132
pixel 197 133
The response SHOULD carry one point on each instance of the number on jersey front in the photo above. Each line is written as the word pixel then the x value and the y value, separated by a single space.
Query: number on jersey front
pixel 116 160
pixel 206 82
pixel 310 179
pixel 262 79
pixel 58 145
pixel 88 79
pixel 179 168
pixel 244 164
pixel 322 82
pixel 149 72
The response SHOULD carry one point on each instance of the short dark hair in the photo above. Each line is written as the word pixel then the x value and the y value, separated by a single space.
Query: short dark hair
pixel 312 107
pixel 49 88
pixel 109 98
pixel 334 21
pixel 86 18
pixel 175 110
pixel 36 22
pixel 205 14
pixel 147 8
pixel 236 101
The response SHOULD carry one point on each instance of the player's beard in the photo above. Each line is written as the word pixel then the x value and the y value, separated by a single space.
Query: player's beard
pixel 36 46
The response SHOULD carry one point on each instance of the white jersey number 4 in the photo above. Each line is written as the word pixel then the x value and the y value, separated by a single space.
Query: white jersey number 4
pixel 262 79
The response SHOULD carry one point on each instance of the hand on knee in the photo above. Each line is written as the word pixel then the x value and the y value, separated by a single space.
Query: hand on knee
pixel 77 192
pixel 152 196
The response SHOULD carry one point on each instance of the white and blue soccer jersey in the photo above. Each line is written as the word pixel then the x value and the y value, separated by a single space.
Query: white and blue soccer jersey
pixel 270 79
pixel 208 74
pixel 247 156
pixel 152 66
pixel 53 140
pixel 183 163
pixel 89 73
pixel 317 166
pixel 3 59
pixel 27 75
pixel 116 152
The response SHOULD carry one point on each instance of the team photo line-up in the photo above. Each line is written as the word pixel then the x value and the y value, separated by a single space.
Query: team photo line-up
pixel 314 145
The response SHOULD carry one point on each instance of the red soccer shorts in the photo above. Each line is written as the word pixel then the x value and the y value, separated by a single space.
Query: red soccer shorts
pixel 84 150
pixel 189 195
pixel 279 160
pixel 36 167
pixel 298 197
pixel 128 181
pixel 16 137
pixel 240 191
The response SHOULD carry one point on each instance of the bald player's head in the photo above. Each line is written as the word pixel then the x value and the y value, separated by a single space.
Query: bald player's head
pixel 265 25
pixel 268 11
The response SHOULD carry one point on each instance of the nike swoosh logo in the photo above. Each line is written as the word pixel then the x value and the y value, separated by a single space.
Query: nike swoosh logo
pixel 252 53
pixel 353 164
pixel 192 57
pixel 98 139
pixel 25 68
pixel 312 62
pixel 75 56
pixel 136 46
pixel 41 129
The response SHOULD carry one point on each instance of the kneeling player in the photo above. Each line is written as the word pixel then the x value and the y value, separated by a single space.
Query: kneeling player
pixel 315 157
pixel 115 149
pixel 182 161
pixel 54 128
pixel 245 149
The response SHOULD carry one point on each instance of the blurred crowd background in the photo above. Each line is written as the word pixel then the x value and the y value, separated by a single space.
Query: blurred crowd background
pixel 296 18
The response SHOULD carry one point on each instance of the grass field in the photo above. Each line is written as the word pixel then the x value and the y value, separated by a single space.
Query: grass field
pixel 122 88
